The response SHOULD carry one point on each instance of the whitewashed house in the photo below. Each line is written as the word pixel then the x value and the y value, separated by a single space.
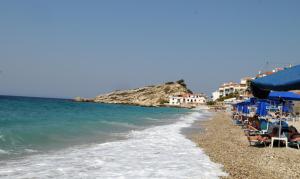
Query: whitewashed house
pixel 187 99
pixel 215 95
pixel 175 100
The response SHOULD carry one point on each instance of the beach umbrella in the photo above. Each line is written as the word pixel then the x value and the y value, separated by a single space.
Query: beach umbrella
pixel 245 109
pixel 285 80
pixel 283 98
pixel 253 101
pixel 284 95
pixel 243 106
pixel 262 108
pixel 240 108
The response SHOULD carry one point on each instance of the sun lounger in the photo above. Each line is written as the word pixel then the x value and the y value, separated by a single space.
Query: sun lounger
pixel 254 142
pixel 295 144
pixel 293 137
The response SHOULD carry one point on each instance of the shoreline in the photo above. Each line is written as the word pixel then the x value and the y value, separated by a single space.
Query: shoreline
pixel 226 144
pixel 139 105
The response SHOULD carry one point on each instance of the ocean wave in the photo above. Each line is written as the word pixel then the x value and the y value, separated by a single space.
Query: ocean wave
pixel 2 138
pixel 121 124
pixel 30 150
pixel 152 119
pixel 4 152
pixel 157 152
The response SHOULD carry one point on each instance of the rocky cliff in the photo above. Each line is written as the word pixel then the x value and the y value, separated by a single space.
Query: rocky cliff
pixel 156 95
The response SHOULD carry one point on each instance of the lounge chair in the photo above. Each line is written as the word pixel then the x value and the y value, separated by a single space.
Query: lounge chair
pixel 262 129
pixel 262 138
pixel 295 144
pixel 293 137
pixel 253 141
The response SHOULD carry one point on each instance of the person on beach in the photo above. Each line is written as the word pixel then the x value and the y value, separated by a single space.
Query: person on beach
pixel 293 134
pixel 265 137
pixel 254 123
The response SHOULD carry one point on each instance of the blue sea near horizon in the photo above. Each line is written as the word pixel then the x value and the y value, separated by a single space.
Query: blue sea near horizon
pixel 32 125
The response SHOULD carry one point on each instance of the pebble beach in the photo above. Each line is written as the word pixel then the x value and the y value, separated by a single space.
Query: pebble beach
pixel 226 144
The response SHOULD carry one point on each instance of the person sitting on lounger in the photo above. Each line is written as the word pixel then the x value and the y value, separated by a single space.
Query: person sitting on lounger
pixel 294 135
pixel 265 137
pixel 254 123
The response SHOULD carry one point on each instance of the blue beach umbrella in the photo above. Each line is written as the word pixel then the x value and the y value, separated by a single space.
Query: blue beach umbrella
pixel 240 108
pixel 285 80
pixel 253 101
pixel 243 106
pixel 288 96
pixel 286 108
pixel 283 98
pixel 262 108
pixel 246 105
pixel 245 109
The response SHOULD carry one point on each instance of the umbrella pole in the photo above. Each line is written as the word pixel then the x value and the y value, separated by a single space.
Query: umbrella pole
pixel 281 111
pixel 267 125
pixel 280 127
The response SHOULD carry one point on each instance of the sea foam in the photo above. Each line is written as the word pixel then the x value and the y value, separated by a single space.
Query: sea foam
pixel 157 152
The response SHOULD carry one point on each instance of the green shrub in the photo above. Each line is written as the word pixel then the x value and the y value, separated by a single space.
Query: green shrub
pixel 162 101
pixel 211 103
pixel 169 83
pixel 231 95
pixel 180 81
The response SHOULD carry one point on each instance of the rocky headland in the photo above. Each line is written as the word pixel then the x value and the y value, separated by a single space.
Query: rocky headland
pixel 155 95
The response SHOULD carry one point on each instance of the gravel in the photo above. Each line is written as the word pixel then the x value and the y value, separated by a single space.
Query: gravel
pixel 226 144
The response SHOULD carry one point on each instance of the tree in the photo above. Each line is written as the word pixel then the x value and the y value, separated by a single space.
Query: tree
pixel 231 95
pixel 211 103
pixel 180 81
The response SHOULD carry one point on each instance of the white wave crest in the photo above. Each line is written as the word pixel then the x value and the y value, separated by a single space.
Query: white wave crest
pixel 4 152
pixel 121 124
pixel 30 150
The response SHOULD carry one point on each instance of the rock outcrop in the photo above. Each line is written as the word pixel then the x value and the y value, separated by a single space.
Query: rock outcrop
pixel 156 95
pixel 80 99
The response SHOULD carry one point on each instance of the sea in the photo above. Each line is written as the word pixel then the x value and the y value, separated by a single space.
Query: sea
pixel 59 138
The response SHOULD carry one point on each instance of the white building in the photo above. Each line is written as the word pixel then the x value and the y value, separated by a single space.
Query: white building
pixel 230 101
pixel 175 100
pixel 232 87
pixel 187 99
pixel 242 87
pixel 215 95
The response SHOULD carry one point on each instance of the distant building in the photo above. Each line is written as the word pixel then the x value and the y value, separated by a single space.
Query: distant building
pixel 275 70
pixel 187 99
pixel 230 101
pixel 215 95
pixel 242 88
pixel 232 87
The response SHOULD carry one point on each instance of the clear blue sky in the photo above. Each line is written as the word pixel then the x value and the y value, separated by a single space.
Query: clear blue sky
pixel 60 48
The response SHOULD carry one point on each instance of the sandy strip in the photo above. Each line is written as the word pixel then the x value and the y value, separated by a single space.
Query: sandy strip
pixel 227 145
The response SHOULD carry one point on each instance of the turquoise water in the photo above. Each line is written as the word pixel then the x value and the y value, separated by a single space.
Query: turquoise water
pixel 55 138
pixel 35 125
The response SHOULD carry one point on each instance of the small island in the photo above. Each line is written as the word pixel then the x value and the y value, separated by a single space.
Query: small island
pixel 151 96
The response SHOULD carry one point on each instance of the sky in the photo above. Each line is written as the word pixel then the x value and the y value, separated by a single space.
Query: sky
pixel 63 49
